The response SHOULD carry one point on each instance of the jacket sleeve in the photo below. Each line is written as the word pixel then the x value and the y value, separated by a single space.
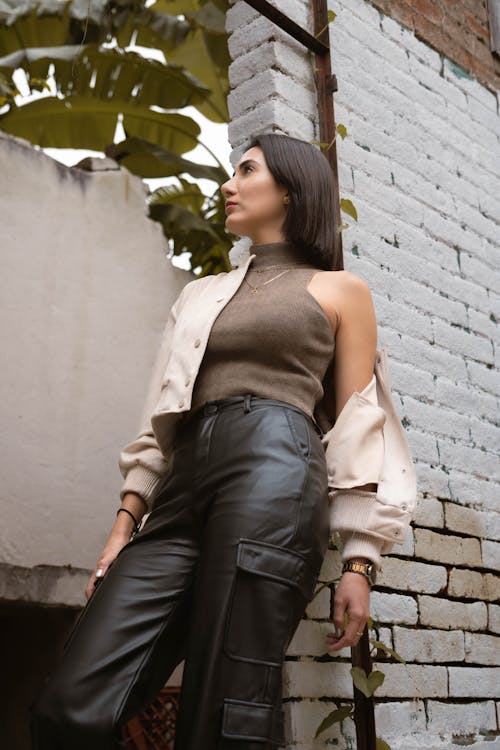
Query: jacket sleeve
pixel 141 462
pixel 354 449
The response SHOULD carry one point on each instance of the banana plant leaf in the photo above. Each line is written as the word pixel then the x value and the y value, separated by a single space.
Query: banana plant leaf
pixel 81 122
pixel 109 74
pixel 206 56
pixel 58 22
pixel 182 211
pixel 151 160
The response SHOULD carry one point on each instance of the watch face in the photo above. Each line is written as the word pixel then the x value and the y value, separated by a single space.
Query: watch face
pixel 372 573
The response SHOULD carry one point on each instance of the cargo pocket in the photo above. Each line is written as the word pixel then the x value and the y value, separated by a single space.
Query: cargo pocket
pixel 253 722
pixel 271 588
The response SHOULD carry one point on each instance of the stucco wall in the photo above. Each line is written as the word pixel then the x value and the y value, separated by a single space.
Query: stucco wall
pixel 85 288
pixel 419 164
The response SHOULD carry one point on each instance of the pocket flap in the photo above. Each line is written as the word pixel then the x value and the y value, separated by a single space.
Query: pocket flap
pixel 278 563
pixel 260 722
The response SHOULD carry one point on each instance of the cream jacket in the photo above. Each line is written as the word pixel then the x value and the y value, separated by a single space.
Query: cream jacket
pixel 365 444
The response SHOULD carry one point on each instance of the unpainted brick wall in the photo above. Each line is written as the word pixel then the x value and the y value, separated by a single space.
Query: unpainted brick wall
pixel 458 29
pixel 418 163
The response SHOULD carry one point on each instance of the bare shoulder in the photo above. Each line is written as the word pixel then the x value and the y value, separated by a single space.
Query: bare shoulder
pixel 340 292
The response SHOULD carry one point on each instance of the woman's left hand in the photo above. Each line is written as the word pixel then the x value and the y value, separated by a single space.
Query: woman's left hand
pixel 352 596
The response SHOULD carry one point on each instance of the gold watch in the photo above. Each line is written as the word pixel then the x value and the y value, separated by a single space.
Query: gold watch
pixel 368 570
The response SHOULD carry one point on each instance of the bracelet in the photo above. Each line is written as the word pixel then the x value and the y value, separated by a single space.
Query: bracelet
pixel 125 510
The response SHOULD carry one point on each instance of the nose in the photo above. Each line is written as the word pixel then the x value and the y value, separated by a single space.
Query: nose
pixel 227 188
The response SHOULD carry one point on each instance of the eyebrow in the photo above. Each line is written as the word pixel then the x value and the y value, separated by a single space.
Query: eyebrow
pixel 247 161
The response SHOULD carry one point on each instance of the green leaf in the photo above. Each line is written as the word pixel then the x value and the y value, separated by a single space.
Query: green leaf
pixel 333 718
pixel 90 124
pixel 367 684
pixel 381 744
pixel 151 160
pixel 331 16
pixel 341 130
pixel 206 56
pixel 110 74
pixel 348 207
pixel 383 647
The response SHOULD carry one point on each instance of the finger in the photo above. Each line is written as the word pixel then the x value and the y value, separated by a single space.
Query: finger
pixel 339 607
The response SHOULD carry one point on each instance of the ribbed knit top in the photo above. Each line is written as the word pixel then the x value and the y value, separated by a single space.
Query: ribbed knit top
pixel 276 342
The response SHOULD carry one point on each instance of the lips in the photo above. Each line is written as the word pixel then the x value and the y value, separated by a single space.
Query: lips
pixel 230 205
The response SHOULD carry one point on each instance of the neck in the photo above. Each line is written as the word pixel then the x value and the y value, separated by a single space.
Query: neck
pixel 277 253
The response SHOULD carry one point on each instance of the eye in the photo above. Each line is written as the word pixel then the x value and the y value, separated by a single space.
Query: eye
pixel 247 166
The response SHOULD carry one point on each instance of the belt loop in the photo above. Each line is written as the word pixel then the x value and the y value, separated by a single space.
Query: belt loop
pixel 246 403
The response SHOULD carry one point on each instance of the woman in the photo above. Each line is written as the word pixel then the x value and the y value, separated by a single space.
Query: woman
pixel 231 465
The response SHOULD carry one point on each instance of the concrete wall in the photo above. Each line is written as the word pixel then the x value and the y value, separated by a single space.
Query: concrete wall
pixel 85 288
pixel 419 164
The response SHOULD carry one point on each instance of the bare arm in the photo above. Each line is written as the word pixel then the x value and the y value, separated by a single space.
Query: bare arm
pixel 355 351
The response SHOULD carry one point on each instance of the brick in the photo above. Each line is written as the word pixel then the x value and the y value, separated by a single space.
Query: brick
pixel 465 398
pixel 449 549
pixel 331 569
pixel 449 615
pixel 413 681
pixel 398 719
pixel 470 584
pixel 490 552
pixel 465 488
pixel 268 116
pixel 429 646
pixel 270 83
pixel 302 718
pixel 393 608
pixel 307 679
pixel 463 718
pixel 482 649
pixel 407 575
pixel 429 511
pixel 319 606
pixel 474 682
pixel 471 521
pixel 310 639
pixel 494 618
pixel 481 463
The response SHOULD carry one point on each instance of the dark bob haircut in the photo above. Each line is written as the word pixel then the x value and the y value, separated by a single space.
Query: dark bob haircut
pixel 306 173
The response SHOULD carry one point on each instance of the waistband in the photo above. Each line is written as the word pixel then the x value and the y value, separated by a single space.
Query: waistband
pixel 245 403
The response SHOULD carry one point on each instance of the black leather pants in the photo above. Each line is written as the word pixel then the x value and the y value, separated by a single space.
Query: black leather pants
pixel 219 575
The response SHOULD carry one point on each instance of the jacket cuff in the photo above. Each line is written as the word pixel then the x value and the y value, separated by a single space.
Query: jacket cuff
pixel 349 511
pixel 361 545
pixel 143 482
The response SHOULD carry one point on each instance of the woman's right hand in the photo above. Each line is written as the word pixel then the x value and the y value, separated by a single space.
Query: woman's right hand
pixel 120 535
pixel 113 546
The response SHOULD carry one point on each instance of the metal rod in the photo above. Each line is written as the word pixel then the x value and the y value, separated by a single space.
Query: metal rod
pixel 326 84
pixel 364 709
pixel 292 28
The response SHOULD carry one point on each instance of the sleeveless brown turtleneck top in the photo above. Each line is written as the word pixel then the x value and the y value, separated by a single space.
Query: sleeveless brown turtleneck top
pixel 275 343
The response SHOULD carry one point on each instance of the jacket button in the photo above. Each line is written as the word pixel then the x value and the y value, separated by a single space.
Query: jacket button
pixel 187 381
pixel 197 342
pixel 404 507
pixel 396 533
pixel 181 404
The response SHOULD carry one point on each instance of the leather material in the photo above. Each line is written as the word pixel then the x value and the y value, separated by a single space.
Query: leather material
pixel 219 575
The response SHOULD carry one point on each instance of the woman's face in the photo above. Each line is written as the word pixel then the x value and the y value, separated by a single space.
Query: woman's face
pixel 254 202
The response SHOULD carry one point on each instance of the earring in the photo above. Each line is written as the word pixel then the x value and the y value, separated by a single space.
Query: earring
pixel 286 199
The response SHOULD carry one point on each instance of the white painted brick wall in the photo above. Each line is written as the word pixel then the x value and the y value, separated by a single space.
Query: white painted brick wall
pixel 418 165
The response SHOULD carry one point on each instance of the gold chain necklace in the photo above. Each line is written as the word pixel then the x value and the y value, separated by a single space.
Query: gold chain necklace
pixel 254 288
